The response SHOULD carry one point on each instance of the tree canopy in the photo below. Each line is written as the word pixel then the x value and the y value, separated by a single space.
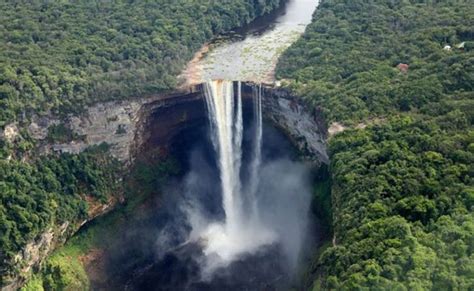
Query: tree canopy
pixel 402 173
pixel 46 193
pixel 62 55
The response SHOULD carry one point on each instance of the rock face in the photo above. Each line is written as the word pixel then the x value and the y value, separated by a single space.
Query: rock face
pixel 113 123
pixel 305 128
pixel 118 124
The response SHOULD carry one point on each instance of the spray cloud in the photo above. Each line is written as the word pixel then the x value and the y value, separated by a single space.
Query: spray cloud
pixel 267 209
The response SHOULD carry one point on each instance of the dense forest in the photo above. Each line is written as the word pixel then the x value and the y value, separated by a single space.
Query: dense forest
pixel 58 56
pixel 61 55
pixel 49 192
pixel 399 75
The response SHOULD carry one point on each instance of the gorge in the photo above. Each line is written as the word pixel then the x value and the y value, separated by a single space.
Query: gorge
pixel 223 217
pixel 180 126
pixel 250 226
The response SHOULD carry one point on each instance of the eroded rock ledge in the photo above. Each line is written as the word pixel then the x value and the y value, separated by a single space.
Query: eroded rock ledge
pixel 120 124
pixel 129 126
pixel 306 128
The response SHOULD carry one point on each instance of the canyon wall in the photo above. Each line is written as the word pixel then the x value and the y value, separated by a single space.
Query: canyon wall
pixel 120 124
pixel 305 128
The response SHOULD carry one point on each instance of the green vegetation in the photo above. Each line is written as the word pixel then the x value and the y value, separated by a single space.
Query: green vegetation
pixel 58 56
pixel 64 270
pixel 321 202
pixel 402 187
pixel 34 284
pixel 46 193
pixel 61 55
pixel 60 134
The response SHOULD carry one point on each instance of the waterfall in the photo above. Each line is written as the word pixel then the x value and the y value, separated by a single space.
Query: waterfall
pixel 238 137
pixel 257 148
pixel 226 129
pixel 241 231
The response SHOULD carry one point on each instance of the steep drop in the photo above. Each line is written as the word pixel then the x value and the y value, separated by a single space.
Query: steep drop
pixel 241 232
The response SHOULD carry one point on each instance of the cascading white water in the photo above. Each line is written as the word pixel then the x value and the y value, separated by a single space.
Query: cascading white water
pixel 226 125
pixel 241 231
pixel 257 148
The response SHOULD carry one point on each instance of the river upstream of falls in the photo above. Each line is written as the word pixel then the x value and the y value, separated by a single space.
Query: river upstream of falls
pixel 251 54
pixel 239 217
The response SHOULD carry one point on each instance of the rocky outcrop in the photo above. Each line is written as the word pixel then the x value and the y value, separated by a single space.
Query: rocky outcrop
pixel 118 124
pixel 34 252
pixel 113 123
pixel 10 132
pixel 305 128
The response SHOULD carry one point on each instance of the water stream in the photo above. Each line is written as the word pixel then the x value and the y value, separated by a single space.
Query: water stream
pixel 251 54
pixel 241 231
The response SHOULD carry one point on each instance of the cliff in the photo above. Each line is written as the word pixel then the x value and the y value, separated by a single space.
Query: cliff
pixel 131 128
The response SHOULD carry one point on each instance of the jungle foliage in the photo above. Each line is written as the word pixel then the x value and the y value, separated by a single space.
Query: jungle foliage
pixel 51 191
pixel 62 55
pixel 403 191
pixel 64 270
pixel 58 56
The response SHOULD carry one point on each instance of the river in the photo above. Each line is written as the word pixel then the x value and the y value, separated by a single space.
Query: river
pixel 251 53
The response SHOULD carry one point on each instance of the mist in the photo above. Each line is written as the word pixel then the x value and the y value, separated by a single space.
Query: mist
pixel 257 237
pixel 282 201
